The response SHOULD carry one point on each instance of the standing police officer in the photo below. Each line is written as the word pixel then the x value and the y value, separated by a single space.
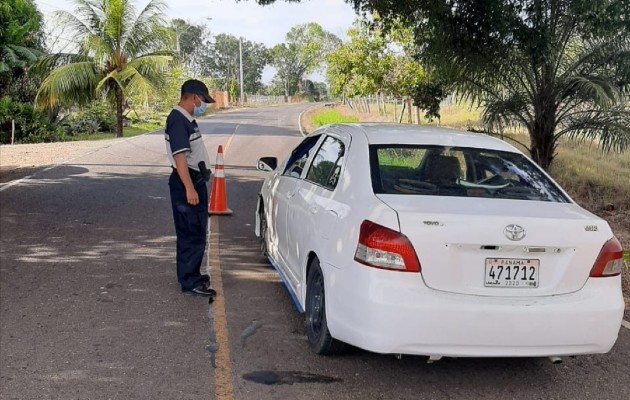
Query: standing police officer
pixel 188 186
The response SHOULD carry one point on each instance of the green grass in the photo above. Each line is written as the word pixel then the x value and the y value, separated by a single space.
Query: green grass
pixel 128 131
pixel 626 255
pixel 330 117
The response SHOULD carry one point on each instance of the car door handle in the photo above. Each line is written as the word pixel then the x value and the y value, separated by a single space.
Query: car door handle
pixel 312 209
pixel 333 212
pixel 291 194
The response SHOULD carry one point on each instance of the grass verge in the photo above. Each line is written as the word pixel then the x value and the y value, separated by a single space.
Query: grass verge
pixel 128 131
pixel 330 117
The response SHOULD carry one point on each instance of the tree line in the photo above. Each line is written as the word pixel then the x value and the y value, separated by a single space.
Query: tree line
pixel 135 59
pixel 554 69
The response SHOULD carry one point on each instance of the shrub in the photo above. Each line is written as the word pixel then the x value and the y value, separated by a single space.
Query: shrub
pixel 31 125
pixel 96 117
pixel 98 113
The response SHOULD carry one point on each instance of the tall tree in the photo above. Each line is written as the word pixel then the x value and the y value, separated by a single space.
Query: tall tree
pixel 21 44
pixel 555 68
pixel 190 44
pixel 377 60
pixel 122 52
pixel 222 62
pixel 304 51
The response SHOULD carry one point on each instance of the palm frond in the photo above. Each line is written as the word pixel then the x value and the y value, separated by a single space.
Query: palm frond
pixel 113 76
pixel 150 73
pixel 76 27
pixel 587 57
pixel 92 12
pixel 68 84
pixel 139 84
pixel 611 127
pixel 584 92
pixel 507 112
pixel 147 32
pixel 49 62
pixel 100 48
pixel 26 54
pixel 151 65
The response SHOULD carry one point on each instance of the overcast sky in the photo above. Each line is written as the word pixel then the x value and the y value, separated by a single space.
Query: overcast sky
pixel 267 25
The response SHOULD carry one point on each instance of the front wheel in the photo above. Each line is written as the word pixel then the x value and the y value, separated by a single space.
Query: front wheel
pixel 319 338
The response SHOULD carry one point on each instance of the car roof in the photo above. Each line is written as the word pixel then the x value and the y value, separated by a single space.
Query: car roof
pixel 382 133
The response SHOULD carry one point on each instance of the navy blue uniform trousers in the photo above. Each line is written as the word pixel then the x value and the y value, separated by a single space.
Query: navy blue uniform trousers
pixel 191 225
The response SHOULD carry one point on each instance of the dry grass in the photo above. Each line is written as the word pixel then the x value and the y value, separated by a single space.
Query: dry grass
pixel 598 181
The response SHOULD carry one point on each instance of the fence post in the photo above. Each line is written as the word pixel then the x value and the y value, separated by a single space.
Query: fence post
pixel 402 110
pixel 12 131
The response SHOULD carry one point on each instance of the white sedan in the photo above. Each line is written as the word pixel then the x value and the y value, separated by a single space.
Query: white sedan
pixel 421 240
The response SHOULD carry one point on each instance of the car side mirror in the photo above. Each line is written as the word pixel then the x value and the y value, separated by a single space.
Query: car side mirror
pixel 267 164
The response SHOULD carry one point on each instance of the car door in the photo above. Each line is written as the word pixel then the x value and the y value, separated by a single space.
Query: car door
pixel 312 213
pixel 283 194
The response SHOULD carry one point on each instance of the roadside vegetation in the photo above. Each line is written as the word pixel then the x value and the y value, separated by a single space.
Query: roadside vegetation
pixel 112 68
pixel 331 117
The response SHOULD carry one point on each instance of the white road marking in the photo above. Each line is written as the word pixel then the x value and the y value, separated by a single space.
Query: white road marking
pixel 229 141
pixel 300 122
pixel 625 324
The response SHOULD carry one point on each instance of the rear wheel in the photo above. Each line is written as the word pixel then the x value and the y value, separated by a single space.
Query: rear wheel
pixel 319 338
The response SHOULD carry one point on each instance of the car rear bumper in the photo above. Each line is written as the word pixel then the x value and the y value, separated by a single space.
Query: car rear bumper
pixel 394 312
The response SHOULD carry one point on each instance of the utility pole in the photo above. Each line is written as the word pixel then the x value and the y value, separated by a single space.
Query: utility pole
pixel 240 51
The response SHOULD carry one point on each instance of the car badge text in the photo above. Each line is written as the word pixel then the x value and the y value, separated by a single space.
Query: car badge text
pixel 514 232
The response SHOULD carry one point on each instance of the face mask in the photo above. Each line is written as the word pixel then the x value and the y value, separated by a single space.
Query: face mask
pixel 199 110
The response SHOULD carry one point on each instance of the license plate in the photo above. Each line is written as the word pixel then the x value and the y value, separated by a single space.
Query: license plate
pixel 511 272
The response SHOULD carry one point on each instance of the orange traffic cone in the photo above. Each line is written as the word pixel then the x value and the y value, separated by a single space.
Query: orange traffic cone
pixel 218 198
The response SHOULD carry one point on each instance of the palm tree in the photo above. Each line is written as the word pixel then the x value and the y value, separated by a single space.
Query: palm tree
pixel 121 52
pixel 578 92
pixel 545 69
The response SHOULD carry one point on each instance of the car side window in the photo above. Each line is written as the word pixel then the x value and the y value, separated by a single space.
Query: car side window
pixel 326 167
pixel 299 157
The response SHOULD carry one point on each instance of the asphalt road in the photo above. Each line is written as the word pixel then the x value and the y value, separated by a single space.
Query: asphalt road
pixel 90 306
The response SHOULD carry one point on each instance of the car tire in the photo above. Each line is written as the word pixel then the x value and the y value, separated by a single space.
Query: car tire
pixel 319 339
pixel 263 233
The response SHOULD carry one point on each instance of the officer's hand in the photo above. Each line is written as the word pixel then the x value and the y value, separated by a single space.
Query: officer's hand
pixel 192 197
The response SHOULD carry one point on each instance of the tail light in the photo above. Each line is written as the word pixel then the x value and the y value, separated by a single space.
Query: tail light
pixel 609 261
pixel 381 247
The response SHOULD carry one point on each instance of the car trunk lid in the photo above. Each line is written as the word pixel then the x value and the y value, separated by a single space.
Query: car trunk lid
pixel 465 245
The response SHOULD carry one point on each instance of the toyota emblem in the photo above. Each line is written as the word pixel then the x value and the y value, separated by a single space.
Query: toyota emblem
pixel 514 232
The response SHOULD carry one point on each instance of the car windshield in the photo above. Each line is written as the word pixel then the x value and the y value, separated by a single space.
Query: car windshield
pixel 458 171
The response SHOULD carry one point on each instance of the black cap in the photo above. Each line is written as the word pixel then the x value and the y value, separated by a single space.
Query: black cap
pixel 195 86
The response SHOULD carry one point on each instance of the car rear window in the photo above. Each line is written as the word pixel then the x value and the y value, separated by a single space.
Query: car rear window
pixel 458 171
